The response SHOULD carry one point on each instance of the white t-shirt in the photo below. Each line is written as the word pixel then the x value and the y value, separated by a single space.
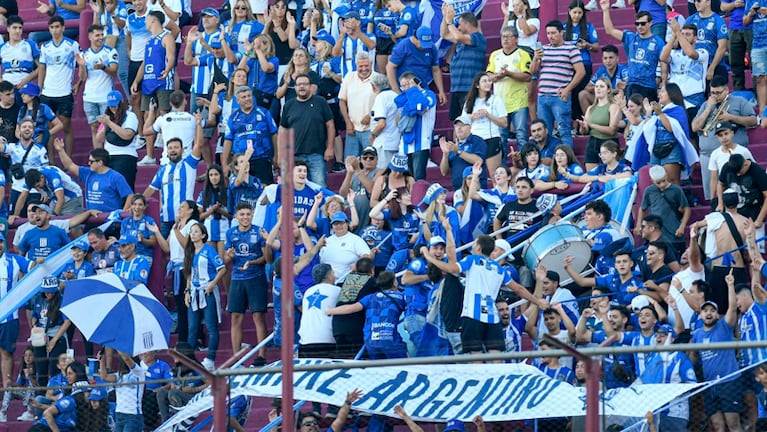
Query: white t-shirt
pixel 129 397
pixel 686 277
pixel 720 157
pixel 342 252
pixel 384 108
pixel 59 61
pixel 317 327
pixel 175 124
pixel 483 127
pixel 130 122
pixel 176 250
pixel 527 41
pixel 99 83
pixel 687 73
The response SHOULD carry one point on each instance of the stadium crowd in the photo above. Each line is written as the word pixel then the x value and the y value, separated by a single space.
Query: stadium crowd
pixel 356 87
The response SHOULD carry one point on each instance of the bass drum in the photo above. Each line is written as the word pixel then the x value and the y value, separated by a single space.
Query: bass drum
pixel 551 244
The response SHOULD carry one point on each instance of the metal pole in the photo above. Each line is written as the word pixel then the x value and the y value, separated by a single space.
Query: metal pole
pixel 288 308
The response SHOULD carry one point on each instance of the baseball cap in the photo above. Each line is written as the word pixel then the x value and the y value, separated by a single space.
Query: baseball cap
pixel 210 12
pixel 465 119
pixel 723 125
pixel 435 240
pixel 97 394
pixel 31 89
pixel 425 37
pixel 432 193
pixel 370 150
pixel 351 14
pixel 710 303
pixel 216 43
pixel 666 329
pixel 43 207
pixel 503 245
pixel 81 244
pixel 639 302
pixel 114 98
pixel 339 216
pixel 323 35
pixel 546 202
pixel 467 171
pixel 128 239
pixel 454 425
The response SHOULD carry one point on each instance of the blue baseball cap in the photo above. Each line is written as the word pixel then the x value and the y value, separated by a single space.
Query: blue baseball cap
pixel 339 216
pixel 323 35
pixel 31 89
pixel 128 239
pixel 425 37
pixel 83 245
pixel 667 329
pixel 114 98
pixel 455 425
pixel 351 14
pixel 97 394
pixel 210 12
pixel 216 43
pixel 44 207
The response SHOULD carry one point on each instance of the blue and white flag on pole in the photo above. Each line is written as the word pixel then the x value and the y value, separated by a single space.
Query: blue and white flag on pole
pixel 431 16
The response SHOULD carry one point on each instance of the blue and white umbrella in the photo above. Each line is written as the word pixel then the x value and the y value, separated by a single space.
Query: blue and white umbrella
pixel 117 313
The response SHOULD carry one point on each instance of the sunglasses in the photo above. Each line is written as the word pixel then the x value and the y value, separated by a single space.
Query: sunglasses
pixel 240 8
pixel 641 23
pixel 310 423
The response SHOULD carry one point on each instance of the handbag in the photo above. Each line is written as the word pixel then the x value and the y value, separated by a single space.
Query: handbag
pixel 662 150
pixel 37 337
pixel 17 169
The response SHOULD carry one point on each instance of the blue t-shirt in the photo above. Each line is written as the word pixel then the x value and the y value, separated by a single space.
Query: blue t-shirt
pixel 385 17
pixel 562 373
pixel 417 295
pixel 374 238
pixel 298 297
pixel 407 57
pixel 136 269
pixel 382 311
pixel 135 227
pixel 205 266
pixel 247 192
pixel 104 192
pixel 84 270
pixel 716 363
pixel 613 283
pixel 621 74
pixel 758 25
pixel 474 145
pixel 254 129
pixel 260 80
pixel 643 57
pixel 736 17
pixel 247 247
pixel 66 419
pixel 38 243
pixel 365 9
pixel 154 64
pixel 590 37
pixel 303 199
pixel 158 370
pixel 710 30
pixel 402 229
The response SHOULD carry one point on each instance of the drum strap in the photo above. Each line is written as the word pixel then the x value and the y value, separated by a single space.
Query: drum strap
pixel 734 232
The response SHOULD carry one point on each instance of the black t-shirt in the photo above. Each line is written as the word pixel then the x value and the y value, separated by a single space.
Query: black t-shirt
pixel 8 117
pixel 290 94
pixel 351 325
pixel 281 48
pixel 667 259
pixel 514 212
pixel 750 187
pixel 307 119
pixel 451 306
pixel 10 6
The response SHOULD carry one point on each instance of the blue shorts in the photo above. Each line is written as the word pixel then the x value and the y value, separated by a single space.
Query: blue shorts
pixel 725 397
pixel 93 110
pixel 759 61
pixel 9 333
pixel 248 294
pixel 675 157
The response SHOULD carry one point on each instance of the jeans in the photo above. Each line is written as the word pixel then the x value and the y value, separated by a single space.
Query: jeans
pixel 518 119
pixel 122 64
pixel 129 422
pixel 554 111
pixel 210 315
pixel 318 168
pixel 739 45
pixel 416 163
pixel 414 325
pixel 355 143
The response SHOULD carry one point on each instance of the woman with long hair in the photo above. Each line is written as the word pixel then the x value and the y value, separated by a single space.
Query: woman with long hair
pixel 136 224
pixel 113 15
pixel 583 34
pixel 528 25
pixel 187 215
pixel 299 65
pixel 488 117
pixel 213 204
pixel 634 116
pixel 600 121
pixel 66 413
pixel 48 319
pixel 532 165
pixel 128 414
pixel 46 122
pixel 243 27
pixel 493 199
pixel 262 66
pixel 437 209
pixel 611 167
pixel 397 209
pixel 396 175
pixel 204 269
pixel 281 29
pixel 116 136
pixel 226 104
pixel 564 158
pixel 311 22
pixel 667 150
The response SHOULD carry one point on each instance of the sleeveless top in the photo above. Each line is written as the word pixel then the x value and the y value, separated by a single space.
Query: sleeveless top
pixel 600 114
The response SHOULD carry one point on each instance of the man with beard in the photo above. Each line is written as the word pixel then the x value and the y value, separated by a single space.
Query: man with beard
pixel 36 156
pixel 175 181
pixel 44 239
pixel 619 368
pixel 722 401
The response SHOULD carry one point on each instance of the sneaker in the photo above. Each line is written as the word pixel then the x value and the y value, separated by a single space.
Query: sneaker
pixel 3 417
pixel 338 167
pixel 208 364
pixel 140 142
pixel 591 5
pixel 27 416
pixel 259 362
pixel 147 161
pixel 619 4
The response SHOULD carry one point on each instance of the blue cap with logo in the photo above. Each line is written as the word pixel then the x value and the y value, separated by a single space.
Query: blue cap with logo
pixel 432 193
pixel 114 98
pixel 424 37
pixel 97 394
pixel 210 12
pixel 455 425
pixel 339 216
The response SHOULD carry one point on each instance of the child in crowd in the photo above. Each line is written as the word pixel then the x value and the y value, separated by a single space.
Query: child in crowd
pixel 27 378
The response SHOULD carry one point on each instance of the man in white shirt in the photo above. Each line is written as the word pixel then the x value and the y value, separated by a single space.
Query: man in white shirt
pixel 175 124
pixel 384 134
pixel 56 73
pixel 725 132
pixel 98 68
pixel 355 100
